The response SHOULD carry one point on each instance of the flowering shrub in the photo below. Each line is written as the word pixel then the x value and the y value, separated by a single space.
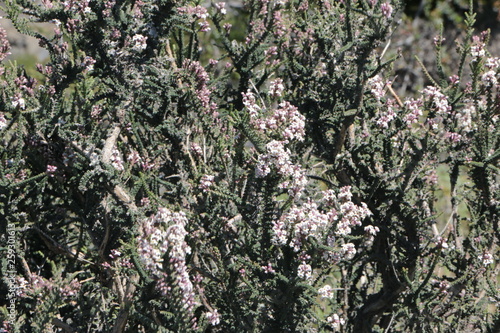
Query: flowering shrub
pixel 188 167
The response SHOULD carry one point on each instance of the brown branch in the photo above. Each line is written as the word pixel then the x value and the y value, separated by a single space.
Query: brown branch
pixel 121 320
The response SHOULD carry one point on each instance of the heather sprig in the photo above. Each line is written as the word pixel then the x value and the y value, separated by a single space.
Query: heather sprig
pixel 196 167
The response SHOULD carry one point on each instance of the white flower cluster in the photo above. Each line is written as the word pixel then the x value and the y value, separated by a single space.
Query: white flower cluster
pixel 139 43
pixel 3 121
pixel 304 271
pixel 439 100
pixel 206 182
pixel 307 221
pixel 387 115
pixel 295 227
pixel 162 234
pixel 213 317
pixel 220 6
pixel 477 49
pixel 348 251
pixel 335 321
pixel 326 292
pixel 489 78
pixel 376 86
pixel 116 160
pixel 284 122
pixel 464 117
pixel 163 231
pixel 486 258
pixel 276 88
pixel 350 214
pixel 18 101
pixel 492 63
pixel 277 158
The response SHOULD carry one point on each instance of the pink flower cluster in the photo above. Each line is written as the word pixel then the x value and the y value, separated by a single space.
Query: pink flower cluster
pixel 161 233
pixel 277 158
pixel 139 43
pixel 387 115
pixel 438 99
pixel 164 235
pixel 478 47
pixel 198 13
pixel 38 287
pixel 284 122
pixel 4 44
pixel 296 226
pixel 377 86
pixel 3 121
pixel 415 111
pixel 305 221
pixel 349 214
pixel 386 9
pixel 221 8
pixel 116 160
pixel 201 79
pixel 206 182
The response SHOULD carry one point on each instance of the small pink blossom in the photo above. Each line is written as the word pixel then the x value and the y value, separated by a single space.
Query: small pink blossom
pixel 206 182
pixel 439 100
pixel 227 27
pixel 304 271
pixel 114 253
pixel 335 321
pixel 276 88
pixel 486 258
pixel 4 44
pixel 415 111
pixel 140 43
pixel 348 251
pixel 3 121
pixel 454 79
pixel 196 149
pixel 213 317
pixel 377 86
pixel 51 169
pixel 489 78
pixel 477 48
pixel 116 160
pixel 454 138
pixel 386 9
pixel 268 269
pixel 326 292
pixel 441 242
pixel 220 6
